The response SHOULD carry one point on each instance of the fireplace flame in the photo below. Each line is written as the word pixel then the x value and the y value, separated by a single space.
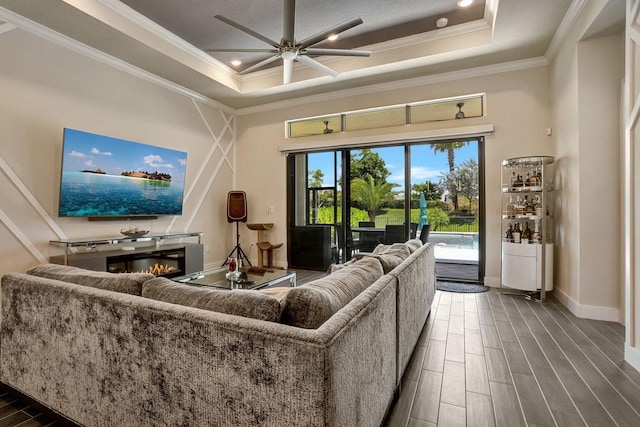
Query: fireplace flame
pixel 159 269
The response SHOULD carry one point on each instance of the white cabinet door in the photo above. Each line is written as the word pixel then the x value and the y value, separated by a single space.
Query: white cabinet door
pixel 522 266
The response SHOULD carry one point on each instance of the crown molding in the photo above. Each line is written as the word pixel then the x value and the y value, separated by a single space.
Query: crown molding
pixel 402 84
pixel 6 27
pixel 563 29
pixel 429 36
pixel 81 48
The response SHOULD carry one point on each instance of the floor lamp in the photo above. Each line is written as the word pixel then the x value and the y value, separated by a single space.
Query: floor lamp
pixel 237 212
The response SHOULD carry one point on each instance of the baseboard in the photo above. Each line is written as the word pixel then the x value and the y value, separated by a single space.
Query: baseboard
pixel 595 312
pixel 632 356
pixel 493 282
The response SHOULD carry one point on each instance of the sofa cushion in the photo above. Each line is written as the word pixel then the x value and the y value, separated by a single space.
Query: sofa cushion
pixel 390 256
pixel 237 301
pixel 127 283
pixel 309 306
pixel 381 248
pixel 335 267
pixel 413 244
pixel 279 293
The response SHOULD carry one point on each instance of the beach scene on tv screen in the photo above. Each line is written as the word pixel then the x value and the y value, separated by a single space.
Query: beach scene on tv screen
pixel 105 176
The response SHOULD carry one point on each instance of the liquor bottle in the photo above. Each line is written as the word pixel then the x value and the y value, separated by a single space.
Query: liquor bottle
pixel 509 234
pixel 537 206
pixel 516 234
pixel 511 208
pixel 518 182
pixel 526 234
pixel 535 236
pixel 531 208
pixel 513 179
pixel 527 181
pixel 539 177
pixel 535 178
pixel 519 207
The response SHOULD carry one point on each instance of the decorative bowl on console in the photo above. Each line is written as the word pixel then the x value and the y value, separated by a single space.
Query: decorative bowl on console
pixel 133 232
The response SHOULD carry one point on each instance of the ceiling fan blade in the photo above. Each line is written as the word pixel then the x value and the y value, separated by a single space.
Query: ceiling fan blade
pixel 334 52
pixel 259 65
pixel 318 66
pixel 247 30
pixel 288 22
pixel 244 50
pixel 317 38
pixel 287 75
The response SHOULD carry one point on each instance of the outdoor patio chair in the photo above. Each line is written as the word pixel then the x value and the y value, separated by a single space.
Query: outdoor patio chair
pixel 393 234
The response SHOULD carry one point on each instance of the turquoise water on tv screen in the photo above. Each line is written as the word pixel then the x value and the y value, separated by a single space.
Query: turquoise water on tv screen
pixel 91 194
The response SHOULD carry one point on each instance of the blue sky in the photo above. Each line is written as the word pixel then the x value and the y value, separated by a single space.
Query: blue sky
pixel 425 164
pixel 88 151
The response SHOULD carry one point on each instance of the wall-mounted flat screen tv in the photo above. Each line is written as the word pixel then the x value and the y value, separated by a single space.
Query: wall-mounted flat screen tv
pixel 111 177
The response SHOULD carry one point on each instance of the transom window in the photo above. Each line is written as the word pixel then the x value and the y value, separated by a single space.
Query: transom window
pixel 393 115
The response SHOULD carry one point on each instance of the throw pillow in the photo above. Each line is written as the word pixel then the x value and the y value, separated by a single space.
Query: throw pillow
pixel 335 267
pixel 413 244
pixel 309 306
pixel 237 301
pixel 381 248
pixel 391 256
pixel 127 283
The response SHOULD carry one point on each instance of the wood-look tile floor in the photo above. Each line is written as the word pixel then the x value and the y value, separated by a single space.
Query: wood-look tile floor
pixel 15 412
pixel 489 359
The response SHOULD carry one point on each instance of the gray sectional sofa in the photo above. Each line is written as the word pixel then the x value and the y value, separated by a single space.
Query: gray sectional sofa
pixel 106 350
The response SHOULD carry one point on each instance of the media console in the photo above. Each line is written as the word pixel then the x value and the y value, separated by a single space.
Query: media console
pixel 161 259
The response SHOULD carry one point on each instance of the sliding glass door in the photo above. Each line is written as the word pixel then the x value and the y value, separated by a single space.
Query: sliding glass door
pixel 377 197
pixel 347 201
pixel 445 184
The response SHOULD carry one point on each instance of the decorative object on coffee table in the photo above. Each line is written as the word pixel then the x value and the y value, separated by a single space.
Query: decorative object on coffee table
pixel 264 245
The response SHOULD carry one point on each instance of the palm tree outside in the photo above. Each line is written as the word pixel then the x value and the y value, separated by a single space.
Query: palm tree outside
pixel 371 194
pixel 450 148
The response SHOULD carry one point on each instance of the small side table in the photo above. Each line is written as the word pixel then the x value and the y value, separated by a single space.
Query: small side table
pixel 264 245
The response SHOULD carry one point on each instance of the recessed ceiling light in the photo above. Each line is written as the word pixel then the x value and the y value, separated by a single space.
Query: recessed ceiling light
pixel 332 37
pixel 465 3
pixel 236 62
pixel 441 22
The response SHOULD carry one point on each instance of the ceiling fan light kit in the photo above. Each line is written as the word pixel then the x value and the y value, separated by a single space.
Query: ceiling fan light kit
pixel 441 22
pixel 289 50
pixel 465 3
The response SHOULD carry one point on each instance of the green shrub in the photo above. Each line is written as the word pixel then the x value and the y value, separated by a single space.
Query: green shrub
pixel 325 215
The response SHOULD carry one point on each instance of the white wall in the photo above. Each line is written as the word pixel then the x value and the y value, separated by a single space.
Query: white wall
pixel 44 88
pixel 586 78
pixel 518 106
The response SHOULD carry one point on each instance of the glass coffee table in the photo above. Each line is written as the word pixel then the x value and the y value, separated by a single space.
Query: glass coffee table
pixel 250 278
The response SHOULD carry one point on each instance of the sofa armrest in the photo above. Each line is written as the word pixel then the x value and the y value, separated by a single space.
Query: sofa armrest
pixel 416 290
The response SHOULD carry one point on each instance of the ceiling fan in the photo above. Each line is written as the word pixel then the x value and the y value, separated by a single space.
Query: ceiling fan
pixel 289 49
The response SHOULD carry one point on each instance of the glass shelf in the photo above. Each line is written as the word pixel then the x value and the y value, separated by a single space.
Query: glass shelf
pixel 529 217
pixel 507 188
pixel 93 243
pixel 527 162
pixel 71 243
